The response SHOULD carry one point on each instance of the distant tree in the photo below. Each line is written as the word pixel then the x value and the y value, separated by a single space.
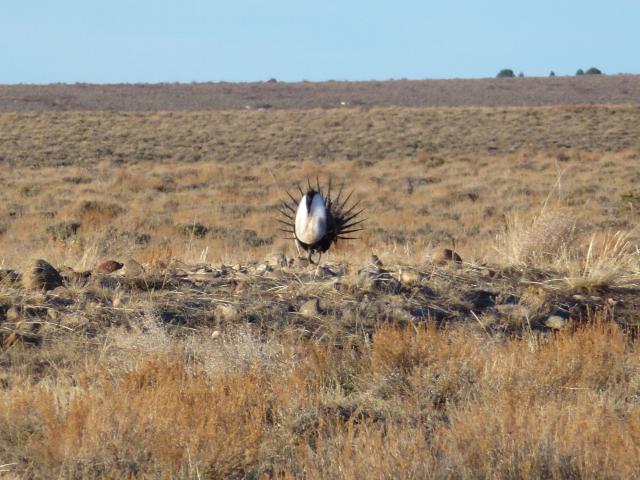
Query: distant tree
pixel 593 71
pixel 272 80
pixel 580 72
pixel 552 73
pixel 505 73
pixel 521 75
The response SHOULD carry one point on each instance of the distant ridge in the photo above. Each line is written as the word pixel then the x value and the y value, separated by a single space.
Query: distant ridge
pixel 533 91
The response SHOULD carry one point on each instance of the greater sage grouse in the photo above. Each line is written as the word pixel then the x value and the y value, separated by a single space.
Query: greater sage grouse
pixel 317 220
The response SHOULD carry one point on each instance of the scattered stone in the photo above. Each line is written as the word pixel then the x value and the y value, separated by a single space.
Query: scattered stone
pixel 409 276
pixel 323 271
pixel 60 296
pixel 366 278
pixel 203 273
pixel 69 275
pixel 310 308
pixel 488 272
pixel 12 314
pixel 204 269
pixel 132 269
pixel 215 334
pixel 282 274
pixel 227 312
pixel 442 256
pixel 279 259
pixel 555 322
pixel 111 282
pixel 203 276
pixel 108 266
pixel 399 314
pixel 587 299
pixel 41 276
pixel 9 277
pixel 263 268
pixel 301 262
pixel 338 270
pixel 514 311
pixel 378 279
pixel 480 299
pixel 118 301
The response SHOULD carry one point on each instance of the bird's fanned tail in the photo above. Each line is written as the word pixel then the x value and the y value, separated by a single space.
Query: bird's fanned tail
pixel 344 216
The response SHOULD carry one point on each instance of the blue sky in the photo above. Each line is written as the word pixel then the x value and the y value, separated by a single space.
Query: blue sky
pixel 44 41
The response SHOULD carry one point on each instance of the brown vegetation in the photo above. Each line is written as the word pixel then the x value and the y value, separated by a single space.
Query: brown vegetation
pixel 410 402
pixel 215 352
pixel 427 138
pixel 488 92
pixel 202 186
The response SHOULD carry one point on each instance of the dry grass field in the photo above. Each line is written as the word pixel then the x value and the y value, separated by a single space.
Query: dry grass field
pixel 217 353
pixel 489 92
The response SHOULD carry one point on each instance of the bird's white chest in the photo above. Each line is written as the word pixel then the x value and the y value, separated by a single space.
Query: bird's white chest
pixel 311 224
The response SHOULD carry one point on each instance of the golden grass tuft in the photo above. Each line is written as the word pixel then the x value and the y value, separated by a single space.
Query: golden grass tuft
pixel 538 239
pixel 610 260
pixel 161 411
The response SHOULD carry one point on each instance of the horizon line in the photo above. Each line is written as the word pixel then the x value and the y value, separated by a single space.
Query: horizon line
pixel 274 80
